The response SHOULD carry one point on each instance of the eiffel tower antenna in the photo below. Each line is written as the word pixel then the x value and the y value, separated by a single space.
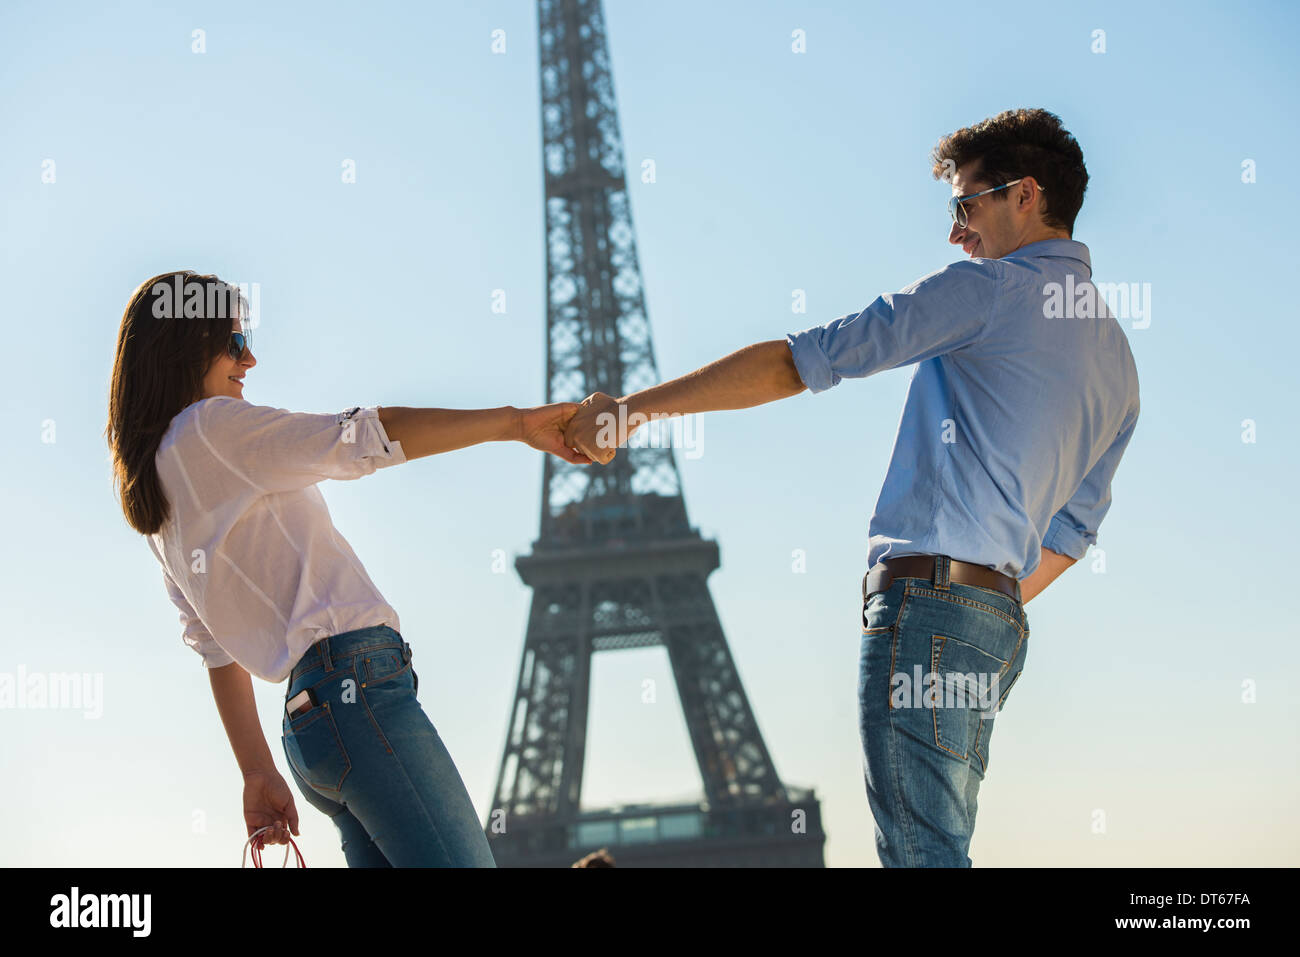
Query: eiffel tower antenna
pixel 617 564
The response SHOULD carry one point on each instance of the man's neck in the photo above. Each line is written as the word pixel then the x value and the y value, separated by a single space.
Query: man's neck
pixel 1037 236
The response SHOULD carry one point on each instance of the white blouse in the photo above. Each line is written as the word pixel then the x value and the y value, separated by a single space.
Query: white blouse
pixel 249 554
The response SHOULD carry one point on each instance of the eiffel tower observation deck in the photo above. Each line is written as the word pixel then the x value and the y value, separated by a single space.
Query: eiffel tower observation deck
pixel 617 564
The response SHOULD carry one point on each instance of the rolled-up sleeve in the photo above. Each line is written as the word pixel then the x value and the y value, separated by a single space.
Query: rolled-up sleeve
pixel 193 632
pixel 276 450
pixel 947 310
pixel 1075 525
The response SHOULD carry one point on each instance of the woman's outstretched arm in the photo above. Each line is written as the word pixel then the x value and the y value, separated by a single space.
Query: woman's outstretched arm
pixel 431 431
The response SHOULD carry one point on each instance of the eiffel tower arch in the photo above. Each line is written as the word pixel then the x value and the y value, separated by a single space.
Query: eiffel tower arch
pixel 617 564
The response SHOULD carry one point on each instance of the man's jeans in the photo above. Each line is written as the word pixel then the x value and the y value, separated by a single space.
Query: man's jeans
pixel 938 660
pixel 369 758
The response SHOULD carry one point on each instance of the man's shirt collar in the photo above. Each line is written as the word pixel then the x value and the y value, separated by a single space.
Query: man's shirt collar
pixel 1054 249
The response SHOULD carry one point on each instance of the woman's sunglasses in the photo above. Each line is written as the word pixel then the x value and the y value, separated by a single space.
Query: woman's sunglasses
pixel 238 345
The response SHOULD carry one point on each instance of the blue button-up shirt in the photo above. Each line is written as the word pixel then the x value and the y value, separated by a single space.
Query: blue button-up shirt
pixel 1014 422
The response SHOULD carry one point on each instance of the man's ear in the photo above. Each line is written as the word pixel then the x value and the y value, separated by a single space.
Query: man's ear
pixel 1026 190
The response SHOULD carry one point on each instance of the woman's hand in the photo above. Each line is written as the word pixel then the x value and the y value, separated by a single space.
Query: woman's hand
pixel 268 800
pixel 542 427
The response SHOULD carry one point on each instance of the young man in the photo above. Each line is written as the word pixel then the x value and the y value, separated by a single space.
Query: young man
pixel 1014 424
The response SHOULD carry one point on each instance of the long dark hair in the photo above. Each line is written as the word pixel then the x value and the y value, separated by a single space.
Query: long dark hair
pixel 165 346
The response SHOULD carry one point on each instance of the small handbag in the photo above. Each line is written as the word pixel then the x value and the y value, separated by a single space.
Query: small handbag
pixel 257 852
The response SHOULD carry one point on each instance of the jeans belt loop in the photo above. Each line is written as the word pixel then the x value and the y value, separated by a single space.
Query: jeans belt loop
pixel 406 651
pixel 941 572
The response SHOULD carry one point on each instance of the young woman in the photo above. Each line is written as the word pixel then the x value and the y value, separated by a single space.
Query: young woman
pixel 226 493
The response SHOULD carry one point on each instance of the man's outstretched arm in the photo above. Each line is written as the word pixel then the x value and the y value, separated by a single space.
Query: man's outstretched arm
pixel 754 375
pixel 759 373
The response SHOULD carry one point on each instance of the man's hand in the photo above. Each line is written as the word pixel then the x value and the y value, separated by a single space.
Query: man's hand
pixel 594 430
pixel 543 428
pixel 268 801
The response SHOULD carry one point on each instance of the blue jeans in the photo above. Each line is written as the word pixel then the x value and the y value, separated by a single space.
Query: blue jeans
pixel 938 661
pixel 368 757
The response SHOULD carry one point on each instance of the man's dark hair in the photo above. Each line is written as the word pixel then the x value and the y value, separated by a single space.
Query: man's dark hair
pixel 1019 143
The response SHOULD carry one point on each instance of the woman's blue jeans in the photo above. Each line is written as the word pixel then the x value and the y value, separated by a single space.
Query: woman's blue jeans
pixel 368 757
pixel 937 663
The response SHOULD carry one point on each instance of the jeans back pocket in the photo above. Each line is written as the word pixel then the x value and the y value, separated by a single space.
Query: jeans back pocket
pixel 966 686
pixel 314 748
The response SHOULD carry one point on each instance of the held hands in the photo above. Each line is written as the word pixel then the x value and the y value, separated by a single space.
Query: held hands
pixel 542 427
pixel 599 428
pixel 268 801
pixel 578 433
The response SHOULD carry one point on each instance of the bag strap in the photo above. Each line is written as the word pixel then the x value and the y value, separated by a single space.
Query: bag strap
pixel 257 853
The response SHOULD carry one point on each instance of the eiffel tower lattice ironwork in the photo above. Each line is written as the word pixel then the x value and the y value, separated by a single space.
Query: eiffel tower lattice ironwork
pixel 617 564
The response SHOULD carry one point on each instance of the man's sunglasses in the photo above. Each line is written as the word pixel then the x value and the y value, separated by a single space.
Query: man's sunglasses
pixel 238 345
pixel 958 212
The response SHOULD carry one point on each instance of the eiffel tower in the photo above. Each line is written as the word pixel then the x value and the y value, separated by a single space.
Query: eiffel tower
pixel 617 565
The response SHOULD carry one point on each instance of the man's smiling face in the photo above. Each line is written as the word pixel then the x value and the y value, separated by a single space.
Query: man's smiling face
pixel 989 227
pixel 1002 221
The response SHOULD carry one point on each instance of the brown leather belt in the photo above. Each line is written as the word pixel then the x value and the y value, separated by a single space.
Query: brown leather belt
pixel 883 573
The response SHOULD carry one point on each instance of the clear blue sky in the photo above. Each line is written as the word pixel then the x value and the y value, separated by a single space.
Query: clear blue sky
pixel 776 171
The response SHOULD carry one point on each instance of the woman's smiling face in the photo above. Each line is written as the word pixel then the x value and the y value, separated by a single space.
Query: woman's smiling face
pixel 226 375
